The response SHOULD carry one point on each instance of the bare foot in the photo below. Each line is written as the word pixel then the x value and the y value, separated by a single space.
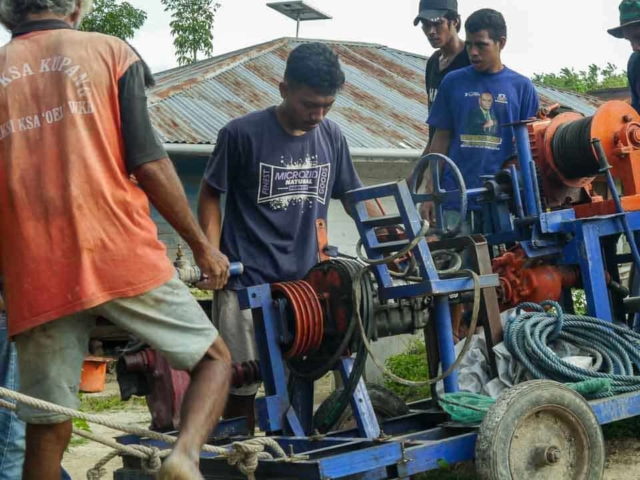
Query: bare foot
pixel 179 467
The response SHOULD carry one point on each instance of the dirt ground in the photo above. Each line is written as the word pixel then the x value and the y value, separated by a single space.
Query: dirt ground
pixel 623 459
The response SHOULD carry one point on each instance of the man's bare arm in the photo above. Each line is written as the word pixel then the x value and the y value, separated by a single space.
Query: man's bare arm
pixel 210 213
pixel 440 143
pixel 373 209
pixel 160 182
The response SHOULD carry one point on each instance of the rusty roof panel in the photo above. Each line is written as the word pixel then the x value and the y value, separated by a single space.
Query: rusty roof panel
pixel 383 104
pixel 583 104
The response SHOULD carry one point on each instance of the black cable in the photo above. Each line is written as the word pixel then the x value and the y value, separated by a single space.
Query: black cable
pixel 572 150
pixel 341 404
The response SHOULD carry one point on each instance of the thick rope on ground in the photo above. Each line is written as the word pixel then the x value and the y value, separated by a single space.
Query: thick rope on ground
pixel 529 334
pixel 245 458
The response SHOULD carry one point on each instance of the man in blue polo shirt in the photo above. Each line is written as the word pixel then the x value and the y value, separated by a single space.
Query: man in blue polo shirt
pixel 471 113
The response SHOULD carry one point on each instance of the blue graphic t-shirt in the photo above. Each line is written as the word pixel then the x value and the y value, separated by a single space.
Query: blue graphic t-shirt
pixel 277 186
pixel 475 107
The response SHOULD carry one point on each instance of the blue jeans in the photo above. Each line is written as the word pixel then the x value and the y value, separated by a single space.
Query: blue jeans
pixel 11 429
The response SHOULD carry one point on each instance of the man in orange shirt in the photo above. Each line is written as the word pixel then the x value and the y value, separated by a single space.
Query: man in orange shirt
pixel 76 237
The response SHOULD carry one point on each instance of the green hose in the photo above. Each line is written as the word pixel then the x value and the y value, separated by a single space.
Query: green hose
pixel 616 349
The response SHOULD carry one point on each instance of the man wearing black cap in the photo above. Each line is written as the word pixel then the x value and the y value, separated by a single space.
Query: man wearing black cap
pixel 629 29
pixel 441 24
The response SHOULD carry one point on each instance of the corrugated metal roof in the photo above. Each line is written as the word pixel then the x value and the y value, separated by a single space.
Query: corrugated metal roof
pixel 583 104
pixel 383 104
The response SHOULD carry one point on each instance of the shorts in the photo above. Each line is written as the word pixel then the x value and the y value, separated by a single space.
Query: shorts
pixel 50 356
pixel 236 329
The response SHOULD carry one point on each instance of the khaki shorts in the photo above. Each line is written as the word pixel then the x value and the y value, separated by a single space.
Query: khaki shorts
pixel 237 332
pixel 50 356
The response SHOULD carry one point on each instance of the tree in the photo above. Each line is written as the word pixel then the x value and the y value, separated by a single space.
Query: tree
pixel 112 18
pixel 595 78
pixel 192 27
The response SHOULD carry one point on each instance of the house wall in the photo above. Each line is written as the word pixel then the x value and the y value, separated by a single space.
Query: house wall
pixel 341 229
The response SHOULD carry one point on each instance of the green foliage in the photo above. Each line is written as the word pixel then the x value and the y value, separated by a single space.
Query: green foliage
pixel 99 404
pixel 579 302
pixel 120 19
pixel 595 78
pixel 192 27
pixel 201 294
pixel 79 424
pixel 410 365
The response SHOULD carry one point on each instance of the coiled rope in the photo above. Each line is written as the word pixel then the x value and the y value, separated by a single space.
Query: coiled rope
pixel 616 349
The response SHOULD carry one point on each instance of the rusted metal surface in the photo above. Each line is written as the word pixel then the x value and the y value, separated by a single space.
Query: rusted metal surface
pixel 583 104
pixel 383 104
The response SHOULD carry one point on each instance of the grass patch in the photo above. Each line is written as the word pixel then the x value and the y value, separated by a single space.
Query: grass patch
pixel 410 365
pixel 79 424
pixel 104 404
pixel 201 294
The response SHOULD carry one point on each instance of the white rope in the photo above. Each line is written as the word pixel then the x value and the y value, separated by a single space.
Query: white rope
pixel 244 455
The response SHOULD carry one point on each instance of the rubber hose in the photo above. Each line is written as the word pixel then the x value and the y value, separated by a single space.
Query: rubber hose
pixel 529 334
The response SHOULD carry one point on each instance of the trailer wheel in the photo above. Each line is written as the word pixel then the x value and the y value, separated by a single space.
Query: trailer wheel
pixel 540 430
pixel 386 404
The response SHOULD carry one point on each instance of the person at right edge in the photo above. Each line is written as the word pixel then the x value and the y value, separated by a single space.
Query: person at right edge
pixel 629 29
pixel 470 112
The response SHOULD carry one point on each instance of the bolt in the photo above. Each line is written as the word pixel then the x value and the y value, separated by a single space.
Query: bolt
pixel 553 455
pixel 291 452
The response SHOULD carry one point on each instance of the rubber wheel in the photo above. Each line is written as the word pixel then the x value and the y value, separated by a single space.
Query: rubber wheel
pixel 540 430
pixel 386 404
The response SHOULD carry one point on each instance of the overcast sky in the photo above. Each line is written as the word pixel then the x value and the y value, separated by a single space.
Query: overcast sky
pixel 544 35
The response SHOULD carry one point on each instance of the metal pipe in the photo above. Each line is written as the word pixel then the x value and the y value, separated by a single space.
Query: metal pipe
pixel 517 196
pixel 205 150
pixel 536 186
pixel 525 161
pixel 606 169
pixel 445 343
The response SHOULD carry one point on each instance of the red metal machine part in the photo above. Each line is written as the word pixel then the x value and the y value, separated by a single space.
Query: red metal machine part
pixel 617 125
pixel 307 316
pixel 166 387
pixel 524 281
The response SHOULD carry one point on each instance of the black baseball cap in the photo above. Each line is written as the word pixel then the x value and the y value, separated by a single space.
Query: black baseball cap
pixel 433 9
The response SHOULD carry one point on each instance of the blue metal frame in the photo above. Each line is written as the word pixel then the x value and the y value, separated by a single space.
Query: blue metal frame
pixel 276 412
pixel 408 452
pixel 419 440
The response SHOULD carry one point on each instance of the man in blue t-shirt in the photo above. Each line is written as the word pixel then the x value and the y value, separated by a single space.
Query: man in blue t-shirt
pixel 629 29
pixel 471 113
pixel 279 168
